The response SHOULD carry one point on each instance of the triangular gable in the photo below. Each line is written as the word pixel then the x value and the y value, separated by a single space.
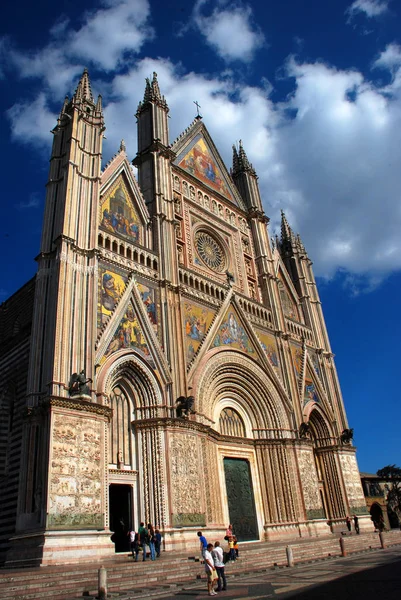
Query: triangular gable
pixel 149 297
pixel 131 327
pixel 313 390
pixel 269 345
pixel 198 156
pixel 233 334
pixel 288 296
pixel 118 215
pixel 310 391
pixel 196 322
pixel 316 366
pixel 231 330
pixel 298 361
pixel 112 283
pixel 129 334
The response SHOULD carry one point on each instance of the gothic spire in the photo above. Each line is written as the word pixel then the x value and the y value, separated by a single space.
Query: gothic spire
pixel 84 90
pixel 287 234
pixel 152 93
pixel 241 163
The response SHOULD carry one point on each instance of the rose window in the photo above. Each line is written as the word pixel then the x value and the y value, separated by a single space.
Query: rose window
pixel 210 251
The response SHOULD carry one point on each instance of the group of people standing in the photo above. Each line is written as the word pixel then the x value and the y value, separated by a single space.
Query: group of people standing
pixel 215 558
pixel 349 523
pixel 144 538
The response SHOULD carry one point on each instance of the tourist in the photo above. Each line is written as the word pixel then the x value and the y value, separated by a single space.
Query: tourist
pixel 209 569
pixel 203 543
pixel 151 540
pixel 348 522
pixel 231 547
pixel 143 538
pixel 218 558
pixel 134 543
pixel 229 532
pixel 158 542
pixel 356 524
pixel 236 547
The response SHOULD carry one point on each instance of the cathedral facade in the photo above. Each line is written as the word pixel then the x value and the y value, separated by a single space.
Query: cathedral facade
pixel 169 363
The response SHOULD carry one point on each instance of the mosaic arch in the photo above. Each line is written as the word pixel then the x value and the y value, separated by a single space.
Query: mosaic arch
pixel 199 162
pixel 231 333
pixel 118 214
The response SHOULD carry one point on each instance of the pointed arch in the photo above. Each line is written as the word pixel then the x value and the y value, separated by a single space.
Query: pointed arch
pixel 231 375
pixel 322 432
pixel 138 380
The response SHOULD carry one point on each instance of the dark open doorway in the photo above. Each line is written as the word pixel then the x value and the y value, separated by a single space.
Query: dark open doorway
pixel 241 502
pixel 120 515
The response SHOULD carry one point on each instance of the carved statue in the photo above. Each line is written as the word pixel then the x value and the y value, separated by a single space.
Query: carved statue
pixel 184 406
pixel 347 436
pixel 304 430
pixel 78 385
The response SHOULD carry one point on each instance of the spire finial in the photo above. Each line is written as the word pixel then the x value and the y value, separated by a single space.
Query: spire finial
pixel 152 94
pixel 84 90
pixel 122 146
pixel 287 234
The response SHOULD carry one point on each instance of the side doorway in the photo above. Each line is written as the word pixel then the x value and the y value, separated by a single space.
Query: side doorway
pixel 120 515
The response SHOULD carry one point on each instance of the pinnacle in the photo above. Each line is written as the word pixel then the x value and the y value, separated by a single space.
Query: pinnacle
pixel 286 231
pixel 84 90
pixel 122 146
pixel 241 163
pixel 152 93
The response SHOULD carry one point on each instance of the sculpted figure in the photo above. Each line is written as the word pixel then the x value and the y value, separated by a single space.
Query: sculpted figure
pixel 304 430
pixel 347 436
pixel 78 385
pixel 184 406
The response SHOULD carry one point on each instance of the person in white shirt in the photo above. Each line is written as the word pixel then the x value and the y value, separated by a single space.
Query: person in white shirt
pixel 210 570
pixel 218 555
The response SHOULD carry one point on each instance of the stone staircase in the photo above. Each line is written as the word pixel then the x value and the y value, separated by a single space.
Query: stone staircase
pixel 171 570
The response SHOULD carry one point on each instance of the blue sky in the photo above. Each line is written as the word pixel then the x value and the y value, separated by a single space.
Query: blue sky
pixel 314 91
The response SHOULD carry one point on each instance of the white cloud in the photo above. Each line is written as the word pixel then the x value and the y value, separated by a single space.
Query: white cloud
pixel 105 39
pixel 229 29
pixel 329 154
pixel 32 121
pixel 390 58
pixel 370 8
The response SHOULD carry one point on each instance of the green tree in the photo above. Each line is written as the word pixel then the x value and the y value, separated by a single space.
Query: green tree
pixel 392 476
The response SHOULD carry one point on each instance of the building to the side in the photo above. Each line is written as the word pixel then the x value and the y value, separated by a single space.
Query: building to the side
pixel 169 362
pixel 376 490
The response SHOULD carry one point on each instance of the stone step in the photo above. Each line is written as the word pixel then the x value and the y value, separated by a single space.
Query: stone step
pixel 72 581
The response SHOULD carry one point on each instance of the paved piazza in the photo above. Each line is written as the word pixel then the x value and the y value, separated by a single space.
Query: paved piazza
pixel 369 575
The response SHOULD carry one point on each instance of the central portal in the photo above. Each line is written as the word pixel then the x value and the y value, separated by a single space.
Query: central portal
pixel 241 501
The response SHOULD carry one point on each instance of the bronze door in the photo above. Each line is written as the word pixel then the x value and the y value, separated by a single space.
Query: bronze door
pixel 241 501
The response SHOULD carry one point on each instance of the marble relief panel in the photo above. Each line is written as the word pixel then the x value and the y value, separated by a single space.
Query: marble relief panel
pixel 307 469
pixel 352 481
pixel 75 488
pixel 186 484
